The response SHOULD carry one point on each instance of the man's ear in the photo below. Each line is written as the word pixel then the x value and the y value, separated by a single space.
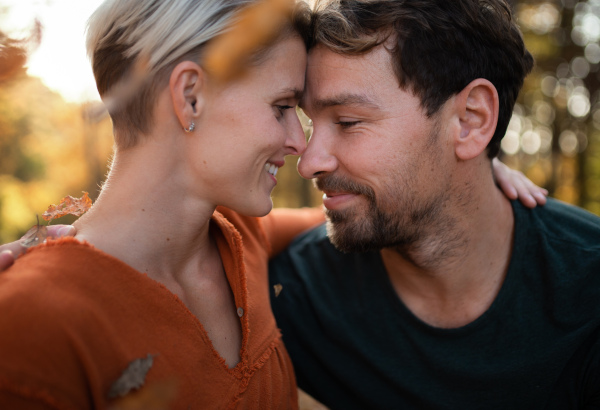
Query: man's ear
pixel 186 86
pixel 477 106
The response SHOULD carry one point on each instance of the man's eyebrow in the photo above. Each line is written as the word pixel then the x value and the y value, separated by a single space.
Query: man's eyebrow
pixel 345 99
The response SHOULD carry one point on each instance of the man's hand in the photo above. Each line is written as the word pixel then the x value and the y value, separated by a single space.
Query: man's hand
pixel 516 185
pixel 10 251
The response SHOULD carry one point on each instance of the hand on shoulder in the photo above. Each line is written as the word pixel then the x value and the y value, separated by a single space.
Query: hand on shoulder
pixel 11 251
pixel 514 184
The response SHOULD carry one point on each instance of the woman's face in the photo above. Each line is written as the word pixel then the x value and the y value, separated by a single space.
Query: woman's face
pixel 248 127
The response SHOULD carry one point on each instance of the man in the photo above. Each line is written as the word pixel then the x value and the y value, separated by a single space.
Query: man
pixel 428 289
pixel 6 257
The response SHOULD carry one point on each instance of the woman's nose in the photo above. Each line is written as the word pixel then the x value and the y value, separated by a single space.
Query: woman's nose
pixel 296 139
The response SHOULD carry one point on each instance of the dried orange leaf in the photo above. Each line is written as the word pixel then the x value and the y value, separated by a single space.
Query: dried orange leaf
pixel 257 25
pixel 36 235
pixel 278 288
pixel 132 378
pixel 68 205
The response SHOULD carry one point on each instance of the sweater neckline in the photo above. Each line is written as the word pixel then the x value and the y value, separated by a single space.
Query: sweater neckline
pixel 229 243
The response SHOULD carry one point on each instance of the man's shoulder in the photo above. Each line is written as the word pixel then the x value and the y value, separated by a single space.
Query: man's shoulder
pixel 562 242
pixel 564 223
pixel 315 237
pixel 306 253
pixel 313 250
pixel 313 257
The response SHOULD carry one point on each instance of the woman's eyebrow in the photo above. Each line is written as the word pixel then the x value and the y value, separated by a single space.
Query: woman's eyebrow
pixel 296 92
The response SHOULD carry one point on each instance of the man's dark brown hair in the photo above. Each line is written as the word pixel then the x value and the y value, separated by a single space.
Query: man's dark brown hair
pixel 440 46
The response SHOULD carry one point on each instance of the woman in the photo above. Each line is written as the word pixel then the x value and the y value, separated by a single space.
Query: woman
pixel 155 277
pixel 158 289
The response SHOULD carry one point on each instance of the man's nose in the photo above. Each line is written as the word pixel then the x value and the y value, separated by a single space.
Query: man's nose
pixel 319 157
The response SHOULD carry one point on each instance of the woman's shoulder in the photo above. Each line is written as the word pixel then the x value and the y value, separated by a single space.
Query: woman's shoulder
pixel 49 319
pixel 54 278
pixel 39 279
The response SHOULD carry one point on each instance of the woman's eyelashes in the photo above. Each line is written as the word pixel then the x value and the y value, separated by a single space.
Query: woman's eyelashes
pixel 281 109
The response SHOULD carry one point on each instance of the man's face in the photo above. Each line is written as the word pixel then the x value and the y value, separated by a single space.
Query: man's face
pixel 374 153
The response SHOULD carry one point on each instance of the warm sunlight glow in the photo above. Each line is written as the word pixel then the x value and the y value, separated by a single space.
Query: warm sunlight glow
pixel 60 61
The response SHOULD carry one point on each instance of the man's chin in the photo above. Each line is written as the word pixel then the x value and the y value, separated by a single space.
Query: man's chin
pixel 348 238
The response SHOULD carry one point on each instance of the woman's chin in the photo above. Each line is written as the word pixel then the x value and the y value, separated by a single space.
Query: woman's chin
pixel 256 210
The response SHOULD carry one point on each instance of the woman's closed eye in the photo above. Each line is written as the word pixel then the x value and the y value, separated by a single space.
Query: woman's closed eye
pixel 281 109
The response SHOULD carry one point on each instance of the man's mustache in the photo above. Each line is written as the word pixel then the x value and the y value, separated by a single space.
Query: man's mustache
pixel 335 183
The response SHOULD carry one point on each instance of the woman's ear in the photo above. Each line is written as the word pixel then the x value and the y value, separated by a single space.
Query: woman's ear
pixel 478 107
pixel 186 87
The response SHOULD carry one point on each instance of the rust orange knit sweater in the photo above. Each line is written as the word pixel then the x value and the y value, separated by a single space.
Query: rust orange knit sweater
pixel 72 319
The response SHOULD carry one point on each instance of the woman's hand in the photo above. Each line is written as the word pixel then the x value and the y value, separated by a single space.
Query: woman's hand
pixel 516 185
pixel 10 251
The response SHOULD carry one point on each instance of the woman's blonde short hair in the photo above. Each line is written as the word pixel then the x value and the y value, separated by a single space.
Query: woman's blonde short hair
pixel 126 36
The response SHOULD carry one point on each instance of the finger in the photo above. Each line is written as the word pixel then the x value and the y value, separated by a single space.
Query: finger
pixel 524 189
pixel 15 248
pixel 504 176
pixel 508 188
pixel 6 260
pixel 539 194
pixel 505 179
pixel 59 231
pixel 540 197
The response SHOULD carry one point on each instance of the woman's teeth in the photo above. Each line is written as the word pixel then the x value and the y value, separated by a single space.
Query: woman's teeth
pixel 271 169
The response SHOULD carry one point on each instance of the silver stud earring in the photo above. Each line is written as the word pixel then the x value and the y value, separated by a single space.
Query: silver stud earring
pixel 192 127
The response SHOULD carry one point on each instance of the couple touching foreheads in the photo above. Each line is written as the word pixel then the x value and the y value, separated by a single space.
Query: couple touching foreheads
pixel 427 288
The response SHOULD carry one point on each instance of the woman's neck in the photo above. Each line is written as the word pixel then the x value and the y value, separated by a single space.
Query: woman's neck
pixel 147 217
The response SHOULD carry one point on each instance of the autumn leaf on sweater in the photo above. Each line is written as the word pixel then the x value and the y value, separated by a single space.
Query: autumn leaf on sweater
pixel 68 206
pixel 36 235
pixel 154 396
pixel 256 26
pixel 132 378
pixel 277 288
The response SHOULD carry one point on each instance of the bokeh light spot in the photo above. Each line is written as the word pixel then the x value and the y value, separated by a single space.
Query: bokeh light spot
pixel 568 143
pixel 510 143
pixel 580 67
pixel 579 105
pixel 531 142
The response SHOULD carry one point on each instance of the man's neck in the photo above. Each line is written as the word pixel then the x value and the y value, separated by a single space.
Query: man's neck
pixel 454 273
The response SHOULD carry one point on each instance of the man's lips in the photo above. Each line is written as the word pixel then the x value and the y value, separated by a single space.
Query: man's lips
pixel 340 192
pixel 337 200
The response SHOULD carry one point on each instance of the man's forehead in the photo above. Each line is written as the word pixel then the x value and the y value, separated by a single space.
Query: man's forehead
pixel 335 79
pixel 320 55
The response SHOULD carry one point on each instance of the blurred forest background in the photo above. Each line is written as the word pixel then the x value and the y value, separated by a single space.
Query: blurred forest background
pixel 50 148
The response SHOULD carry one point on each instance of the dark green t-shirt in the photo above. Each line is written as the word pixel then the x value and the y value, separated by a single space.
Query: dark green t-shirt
pixel 355 345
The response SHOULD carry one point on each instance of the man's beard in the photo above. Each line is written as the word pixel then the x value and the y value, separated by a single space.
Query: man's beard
pixel 397 220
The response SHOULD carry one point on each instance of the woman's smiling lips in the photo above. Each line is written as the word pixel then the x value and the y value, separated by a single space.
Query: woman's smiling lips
pixel 272 167
pixel 337 200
